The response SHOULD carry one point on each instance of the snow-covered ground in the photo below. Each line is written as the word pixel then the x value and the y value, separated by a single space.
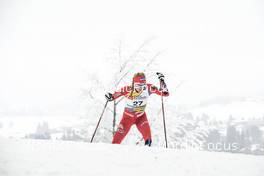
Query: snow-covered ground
pixel 20 157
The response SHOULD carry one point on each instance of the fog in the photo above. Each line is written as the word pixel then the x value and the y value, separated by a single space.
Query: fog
pixel 47 48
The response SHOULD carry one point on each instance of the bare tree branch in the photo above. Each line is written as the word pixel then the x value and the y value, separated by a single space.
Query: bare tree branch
pixel 131 58
pixel 141 47
pixel 152 59
pixel 150 62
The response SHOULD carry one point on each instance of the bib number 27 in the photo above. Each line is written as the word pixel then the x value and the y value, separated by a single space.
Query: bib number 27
pixel 137 103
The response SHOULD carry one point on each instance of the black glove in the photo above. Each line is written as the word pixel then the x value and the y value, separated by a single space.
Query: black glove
pixel 109 97
pixel 163 86
pixel 160 76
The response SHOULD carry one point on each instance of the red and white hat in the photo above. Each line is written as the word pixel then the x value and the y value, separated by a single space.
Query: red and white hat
pixel 139 78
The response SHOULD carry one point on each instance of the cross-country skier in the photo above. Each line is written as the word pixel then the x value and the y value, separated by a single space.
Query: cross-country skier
pixel 136 100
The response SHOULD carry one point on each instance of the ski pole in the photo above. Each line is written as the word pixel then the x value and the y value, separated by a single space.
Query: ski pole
pixel 99 121
pixel 163 115
pixel 164 123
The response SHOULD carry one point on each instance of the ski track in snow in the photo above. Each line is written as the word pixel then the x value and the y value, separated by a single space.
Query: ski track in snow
pixel 19 157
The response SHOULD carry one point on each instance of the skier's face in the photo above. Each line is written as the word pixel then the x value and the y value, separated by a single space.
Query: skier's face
pixel 139 87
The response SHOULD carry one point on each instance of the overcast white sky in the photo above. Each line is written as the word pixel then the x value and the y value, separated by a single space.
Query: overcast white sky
pixel 47 47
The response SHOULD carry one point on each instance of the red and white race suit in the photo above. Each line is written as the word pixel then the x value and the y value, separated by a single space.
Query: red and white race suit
pixel 134 112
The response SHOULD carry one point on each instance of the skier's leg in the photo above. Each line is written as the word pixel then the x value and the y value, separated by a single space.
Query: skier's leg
pixel 144 128
pixel 123 128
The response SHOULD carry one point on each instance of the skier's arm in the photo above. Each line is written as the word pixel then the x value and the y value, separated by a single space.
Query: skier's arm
pixel 123 91
pixel 163 91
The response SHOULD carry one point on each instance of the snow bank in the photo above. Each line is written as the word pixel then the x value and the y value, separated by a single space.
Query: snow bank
pixel 43 157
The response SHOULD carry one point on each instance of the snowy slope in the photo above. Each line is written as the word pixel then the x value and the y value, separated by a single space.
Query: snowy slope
pixel 41 157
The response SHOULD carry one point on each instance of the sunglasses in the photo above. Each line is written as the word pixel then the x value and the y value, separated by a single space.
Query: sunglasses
pixel 136 86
